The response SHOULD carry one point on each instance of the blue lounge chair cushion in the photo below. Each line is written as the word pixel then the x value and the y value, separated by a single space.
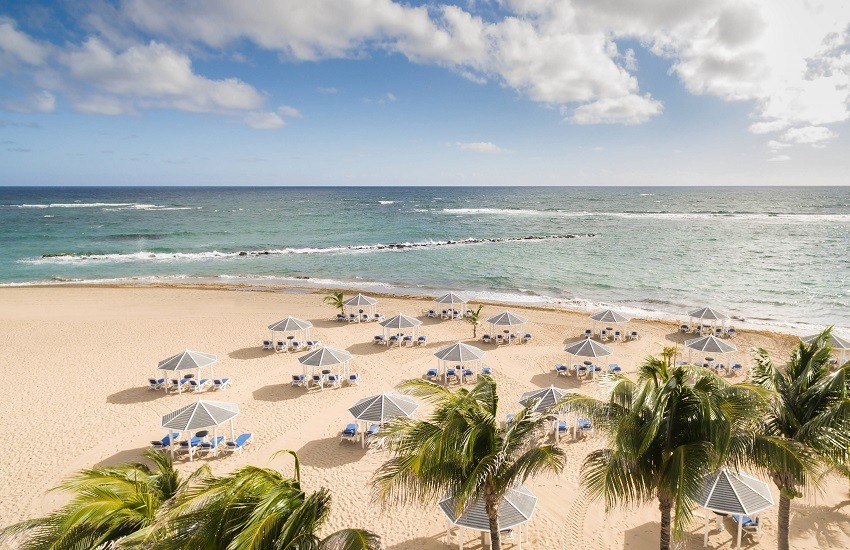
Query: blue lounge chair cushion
pixel 212 443
pixel 583 424
pixel 562 425
pixel 373 429
pixel 195 441
pixel 350 429
pixel 486 370
pixel 745 521
pixel 241 440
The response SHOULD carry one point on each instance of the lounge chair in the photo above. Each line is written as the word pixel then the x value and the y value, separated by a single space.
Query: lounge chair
pixel 185 444
pixel 165 442
pixel 297 346
pixel 333 380
pixel 393 339
pixel 156 383
pixel 509 419
pixel 268 344
pixel 486 371
pixel 349 433
pixel 736 368
pixel 445 314
pixel 281 346
pixel 372 432
pixel 603 335
pixel 432 374
pixel 511 338
pixel 379 339
pixel 561 429
pixel 318 380
pixel 588 333
pixel 684 328
pixel 198 385
pixel 341 317
pixel 238 444
pixel 561 370
pixel 451 372
pixel 615 368
pixel 422 340
pixel 500 339
pixel 177 385
pixel 378 317
pixel 466 373
pixel 407 340
pixel 633 335
pixel 352 318
pixel 581 370
pixel 618 336
pixel 718 332
pixel 432 313
pixel 313 344
pixel 583 425
pixel 299 380
pixel 748 525
pixel 365 318
pixel 211 447
pixel 353 379
pixel 221 383
pixel 485 338
pixel 731 332
pixel 526 338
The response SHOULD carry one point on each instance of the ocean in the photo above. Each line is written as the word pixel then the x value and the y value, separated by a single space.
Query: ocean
pixel 777 257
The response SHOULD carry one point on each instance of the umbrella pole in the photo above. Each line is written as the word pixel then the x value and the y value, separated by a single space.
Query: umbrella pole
pixel 231 430
pixel 740 521
pixel 705 535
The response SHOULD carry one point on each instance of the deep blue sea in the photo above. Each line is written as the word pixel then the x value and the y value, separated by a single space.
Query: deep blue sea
pixel 776 256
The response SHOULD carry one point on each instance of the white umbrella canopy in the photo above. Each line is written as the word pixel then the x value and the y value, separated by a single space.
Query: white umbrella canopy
pixel 708 314
pixel 459 353
pixel 610 316
pixel 383 407
pixel 507 319
pixel 187 360
pixel 451 299
pixel 588 348
pixel 710 344
pixel 840 346
pixel 290 324
pixel 517 507
pixel 401 321
pixel 198 415
pixel 325 357
pixel 545 398
pixel 360 300
pixel 734 493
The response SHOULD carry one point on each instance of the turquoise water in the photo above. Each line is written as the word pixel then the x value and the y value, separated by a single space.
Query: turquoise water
pixel 778 255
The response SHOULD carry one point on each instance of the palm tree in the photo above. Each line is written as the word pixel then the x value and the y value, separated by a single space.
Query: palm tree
pixel 335 299
pixel 255 508
pixel 665 432
pixel 473 317
pixel 108 505
pixel 811 408
pixel 460 449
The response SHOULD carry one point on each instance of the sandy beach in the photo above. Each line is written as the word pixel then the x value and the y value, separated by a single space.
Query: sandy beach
pixel 75 361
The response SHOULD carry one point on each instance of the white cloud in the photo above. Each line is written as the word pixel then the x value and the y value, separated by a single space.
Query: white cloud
pixel 291 112
pixel 18 46
pixel 629 109
pixel 39 102
pixel 264 121
pixel 97 104
pixel 774 145
pixel 481 147
pixel 779 158
pixel 809 135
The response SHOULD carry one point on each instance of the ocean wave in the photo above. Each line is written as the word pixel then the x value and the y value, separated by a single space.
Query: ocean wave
pixel 106 206
pixel 143 256
pixel 707 215
pixel 386 202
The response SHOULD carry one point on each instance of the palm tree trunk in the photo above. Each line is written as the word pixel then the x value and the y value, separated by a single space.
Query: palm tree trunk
pixel 666 507
pixel 784 519
pixel 492 508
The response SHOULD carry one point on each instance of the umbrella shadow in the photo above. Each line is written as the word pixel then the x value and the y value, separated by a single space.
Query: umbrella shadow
pixel 367 348
pixel 434 542
pixel 327 323
pixel 124 457
pixel 253 352
pixel 278 392
pixel 571 382
pixel 135 395
pixel 330 452
pixel 679 337
pixel 827 524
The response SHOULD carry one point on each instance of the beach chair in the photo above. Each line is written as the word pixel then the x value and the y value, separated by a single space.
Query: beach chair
pixel 456 314
pixel 526 338
pixel 165 442
pixel 313 344
pixel 603 335
pixel 221 383
pixel 561 370
pixel 371 432
pixel 349 433
pixel 198 385
pixel 352 318
pixel 422 340
pixel 318 380
pixel 718 332
pixel 379 339
pixel 177 385
pixel 280 345
pixel 469 313
pixel 511 338
pixel 432 374
pixel 509 419
pixel 720 368
pixel 156 383
pixel 500 339
pixel 633 335
pixel 486 371
pixel 731 332
pixel 407 340
pixel 684 328
pixel 365 318
pixel 333 380
pixel 185 444
pixel 353 379
pixel 466 374
pixel 378 317
pixel 618 336
pixel 432 313
pixel 268 344
pixel 588 333
pixel 735 369
pixel 393 340
pixel 212 446
pixel 485 338
pixel 451 373
pixel 561 429
pixel 748 525
pixel 583 425
pixel 299 380
pixel 297 346
pixel 614 368
pixel 581 370
pixel 341 317
pixel 238 444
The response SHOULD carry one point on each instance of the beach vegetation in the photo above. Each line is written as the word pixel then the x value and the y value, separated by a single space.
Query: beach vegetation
pixel 461 449
pixel 809 413
pixel 335 299
pixel 665 432
pixel 473 317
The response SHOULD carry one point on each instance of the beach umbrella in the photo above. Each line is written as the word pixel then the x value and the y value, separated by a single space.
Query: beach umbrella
pixel 199 415
pixel 734 493
pixel 609 316
pixel 545 398
pixel 838 344
pixel 458 353
pixel 451 299
pixel 325 357
pixel 292 324
pixel 710 344
pixel 515 509
pixel 399 323
pixel 382 408
pixel 187 360
pixel 704 314
pixel 361 302
pixel 588 348
pixel 505 319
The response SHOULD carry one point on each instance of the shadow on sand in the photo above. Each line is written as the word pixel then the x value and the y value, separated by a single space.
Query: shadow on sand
pixel 278 392
pixel 124 457
pixel 571 382
pixel 135 395
pixel 254 352
pixel 435 542
pixel 330 452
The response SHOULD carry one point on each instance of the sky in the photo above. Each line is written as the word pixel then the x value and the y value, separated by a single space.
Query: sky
pixel 377 92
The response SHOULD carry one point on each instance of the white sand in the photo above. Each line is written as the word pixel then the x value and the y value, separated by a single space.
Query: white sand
pixel 75 363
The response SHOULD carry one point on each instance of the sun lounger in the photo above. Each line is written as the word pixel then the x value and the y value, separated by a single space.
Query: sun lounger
pixel 588 333
pixel 176 385
pixel 511 338
pixel 432 374
pixel 238 444
pixel 633 335
pixel 684 328
pixel 297 346
pixel 500 339
pixel 614 367
pixel 561 429
pixel 393 339
pixel 212 446
pixel 407 340
pixel 581 370
pixel 486 371
pixel 466 374
pixel 198 385
pixel 379 339
pixel 526 338
pixel 451 372
pixel 318 380
pixel 583 425
pixel 364 318
pixel 165 442
pixel 618 336
pixel 372 431
pixel 718 332
pixel 299 380
pixel 156 383
pixel 268 344
pixel 603 334
pixel 748 525
pixel 509 419
pixel 352 318
pixel 736 368
pixel 341 317
pixel 281 346
pixel 422 340
pixel 731 332
pixel 221 383
pixel 313 344
pixel 194 442
pixel 432 313
pixel 333 380
pixel 445 314
pixel 378 317
pixel 561 370
pixel 353 379
pixel 349 433
pixel 485 338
